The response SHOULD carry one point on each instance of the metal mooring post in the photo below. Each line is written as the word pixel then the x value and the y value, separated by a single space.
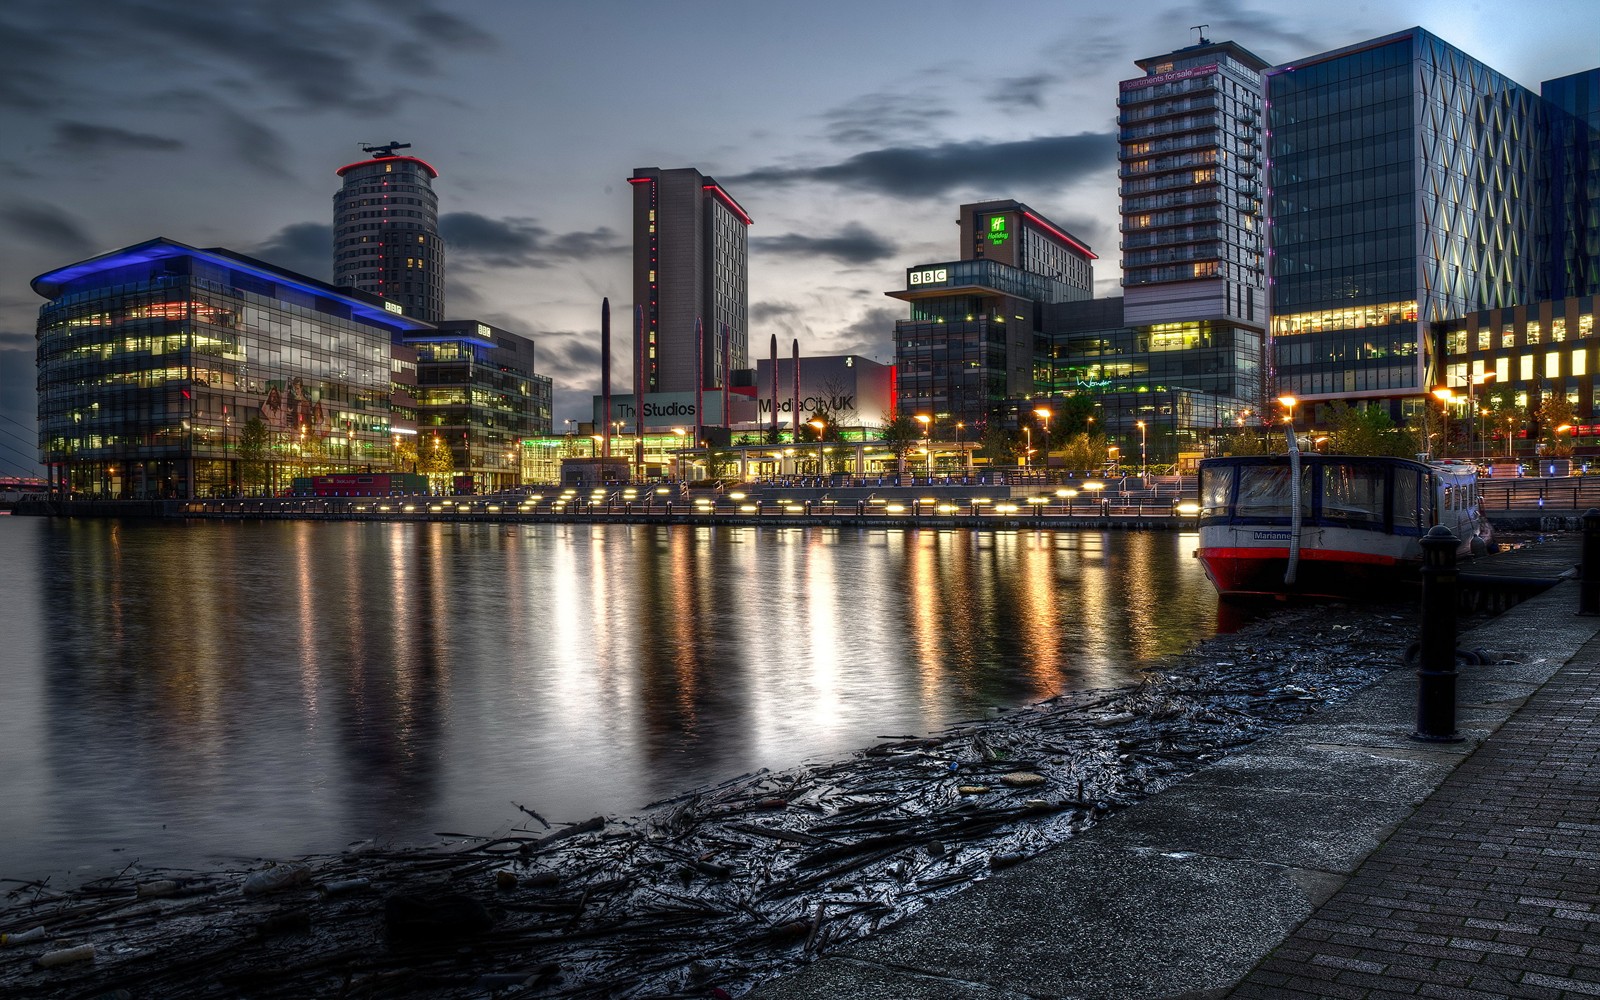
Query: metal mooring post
pixel 1589 573
pixel 1436 666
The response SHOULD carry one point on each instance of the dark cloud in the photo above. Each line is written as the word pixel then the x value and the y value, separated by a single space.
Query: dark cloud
pixel 303 247
pixel 254 144
pixel 1022 93
pixel 875 119
pixel 872 335
pixel 314 55
pixel 512 242
pixel 16 340
pixel 49 227
pixel 854 244
pixel 82 138
pixel 764 312
pixel 914 172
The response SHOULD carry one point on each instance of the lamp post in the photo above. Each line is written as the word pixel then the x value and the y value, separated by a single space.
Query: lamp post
pixel 1472 402
pixel 1144 464
pixel 927 438
pixel 1444 395
pixel 682 434
pixel 1043 413
pixel 960 425
pixel 1027 448
pixel 819 427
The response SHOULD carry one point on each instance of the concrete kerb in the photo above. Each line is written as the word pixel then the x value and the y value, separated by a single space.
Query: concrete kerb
pixel 1183 894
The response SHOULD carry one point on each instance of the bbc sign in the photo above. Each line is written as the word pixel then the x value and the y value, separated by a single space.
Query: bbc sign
pixel 930 276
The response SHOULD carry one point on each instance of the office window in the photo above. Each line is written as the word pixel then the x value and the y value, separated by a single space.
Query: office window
pixel 1525 369
pixel 1534 332
pixel 1552 365
pixel 1558 330
pixel 1580 361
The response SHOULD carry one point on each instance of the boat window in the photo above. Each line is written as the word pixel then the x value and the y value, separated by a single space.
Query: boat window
pixel 1352 492
pixel 1264 491
pixel 1409 509
pixel 1215 485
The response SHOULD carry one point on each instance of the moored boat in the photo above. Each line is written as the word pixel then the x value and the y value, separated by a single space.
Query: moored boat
pixel 1329 525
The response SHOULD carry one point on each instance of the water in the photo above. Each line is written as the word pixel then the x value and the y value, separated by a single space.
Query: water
pixel 192 694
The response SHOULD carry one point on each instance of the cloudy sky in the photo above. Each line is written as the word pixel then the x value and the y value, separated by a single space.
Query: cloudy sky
pixel 849 129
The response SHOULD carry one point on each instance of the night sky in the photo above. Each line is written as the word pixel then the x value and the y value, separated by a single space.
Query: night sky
pixel 850 131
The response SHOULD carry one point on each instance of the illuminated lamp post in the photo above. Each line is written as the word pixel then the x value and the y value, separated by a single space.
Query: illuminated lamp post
pixel 960 426
pixel 1144 464
pixel 1444 395
pixel 1043 413
pixel 1027 447
pixel 682 434
pixel 1472 404
pixel 819 426
pixel 927 438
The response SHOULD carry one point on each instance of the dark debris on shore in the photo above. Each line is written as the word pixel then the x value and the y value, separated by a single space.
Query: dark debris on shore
pixel 705 894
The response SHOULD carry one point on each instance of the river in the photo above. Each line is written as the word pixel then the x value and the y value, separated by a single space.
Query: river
pixel 197 694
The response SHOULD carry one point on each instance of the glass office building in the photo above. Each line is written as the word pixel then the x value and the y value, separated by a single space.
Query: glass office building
pixel 166 371
pixel 1403 190
pixel 479 398
pixel 1573 219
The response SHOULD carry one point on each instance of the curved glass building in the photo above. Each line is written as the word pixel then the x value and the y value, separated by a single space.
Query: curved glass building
pixel 386 233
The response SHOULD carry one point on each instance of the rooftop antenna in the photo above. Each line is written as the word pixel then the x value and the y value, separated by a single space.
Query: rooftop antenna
pixel 386 149
pixel 1200 33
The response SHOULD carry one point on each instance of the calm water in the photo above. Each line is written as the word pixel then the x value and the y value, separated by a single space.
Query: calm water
pixel 185 694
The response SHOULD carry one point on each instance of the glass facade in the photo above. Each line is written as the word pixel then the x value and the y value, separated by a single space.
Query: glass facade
pixel 1403 190
pixel 1573 222
pixel 478 398
pixel 170 372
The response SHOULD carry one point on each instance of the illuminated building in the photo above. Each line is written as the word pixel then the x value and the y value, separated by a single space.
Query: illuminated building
pixel 167 371
pixel 1190 167
pixel 690 262
pixel 1408 188
pixel 478 397
pixel 386 231
pixel 969 341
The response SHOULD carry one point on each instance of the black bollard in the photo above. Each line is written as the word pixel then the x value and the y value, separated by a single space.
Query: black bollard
pixel 1436 664
pixel 1589 572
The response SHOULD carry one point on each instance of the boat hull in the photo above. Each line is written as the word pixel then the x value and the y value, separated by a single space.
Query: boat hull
pixel 1242 571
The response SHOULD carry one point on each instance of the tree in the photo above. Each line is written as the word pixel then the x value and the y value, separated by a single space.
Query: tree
pixel 1555 412
pixel 1244 442
pixel 900 434
pixel 1366 430
pixel 1084 452
pixel 998 446
pixel 253 441
pixel 1073 416
pixel 404 456
pixel 439 465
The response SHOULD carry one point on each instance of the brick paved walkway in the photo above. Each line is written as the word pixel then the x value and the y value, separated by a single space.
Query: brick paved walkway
pixel 1490 889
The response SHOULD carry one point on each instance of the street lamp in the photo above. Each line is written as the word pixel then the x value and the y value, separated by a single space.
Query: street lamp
pixel 820 426
pixel 682 434
pixel 1144 465
pixel 1444 395
pixel 1288 402
pixel 1027 434
pixel 927 438
pixel 1043 413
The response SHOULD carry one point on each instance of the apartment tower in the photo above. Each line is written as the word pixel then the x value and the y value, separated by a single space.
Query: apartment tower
pixel 690 262
pixel 386 231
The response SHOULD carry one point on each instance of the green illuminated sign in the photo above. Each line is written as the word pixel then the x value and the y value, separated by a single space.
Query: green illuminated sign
pixel 997 230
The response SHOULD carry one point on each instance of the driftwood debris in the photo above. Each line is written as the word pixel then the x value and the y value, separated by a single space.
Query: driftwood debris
pixel 711 891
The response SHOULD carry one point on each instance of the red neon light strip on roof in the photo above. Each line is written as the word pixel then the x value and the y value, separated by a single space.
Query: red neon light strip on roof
pixel 727 200
pixel 640 180
pixel 1058 234
pixel 389 159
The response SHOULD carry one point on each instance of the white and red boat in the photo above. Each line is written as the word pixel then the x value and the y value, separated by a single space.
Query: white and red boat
pixel 1329 525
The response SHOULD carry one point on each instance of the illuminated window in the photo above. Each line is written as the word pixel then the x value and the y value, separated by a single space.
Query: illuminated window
pixel 1580 361
pixel 1205 176
pixel 1525 368
pixel 1558 330
pixel 1502 370
pixel 1508 336
pixel 1586 326
pixel 1552 365
pixel 1534 332
pixel 1484 342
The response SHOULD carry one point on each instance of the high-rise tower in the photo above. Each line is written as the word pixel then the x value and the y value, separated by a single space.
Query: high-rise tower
pixel 690 262
pixel 386 231
pixel 1190 134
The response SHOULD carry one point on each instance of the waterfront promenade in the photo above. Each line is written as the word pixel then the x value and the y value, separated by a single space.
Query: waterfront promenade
pixel 1337 859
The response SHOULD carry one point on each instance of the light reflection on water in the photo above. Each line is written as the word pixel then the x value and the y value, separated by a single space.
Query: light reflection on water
pixel 186 693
